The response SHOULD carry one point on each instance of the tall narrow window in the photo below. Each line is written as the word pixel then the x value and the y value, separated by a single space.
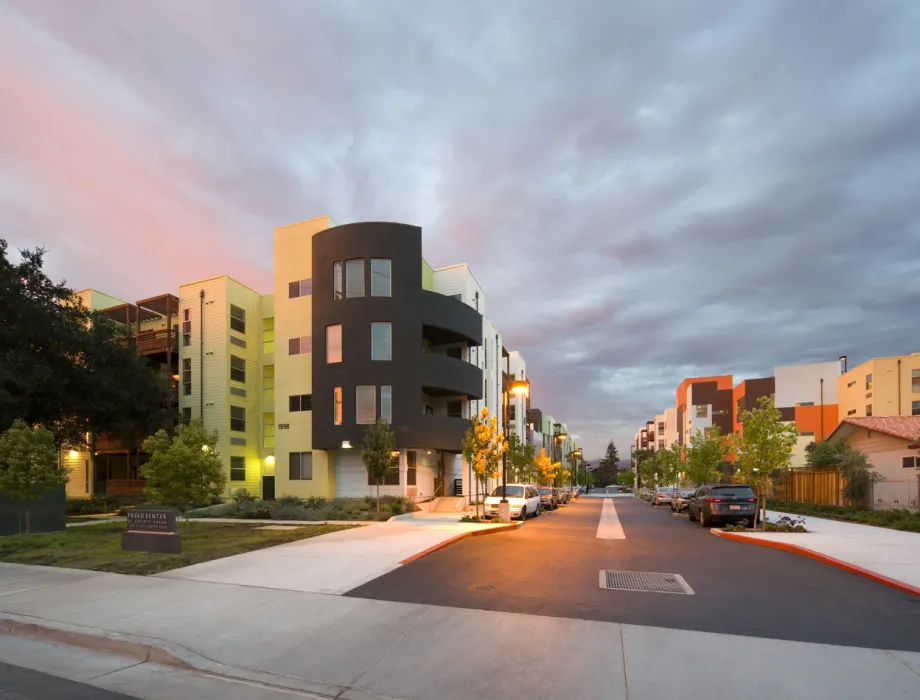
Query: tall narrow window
pixel 915 381
pixel 186 415
pixel 366 402
pixel 869 409
pixel 238 419
pixel 411 468
pixel 337 406
pixel 237 469
pixel 380 277
pixel 237 369
pixel 386 403
pixel 186 328
pixel 354 278
pixel 237 319
pixel 381 341
pixel 268 335
pixel 338 284
pixel 268 383
pixel 868 382
pixel 187 376
pixel 915 408
pixel 334 343
pixel 268 431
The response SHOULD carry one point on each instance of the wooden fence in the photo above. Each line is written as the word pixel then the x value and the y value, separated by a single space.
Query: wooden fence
pixel 822 485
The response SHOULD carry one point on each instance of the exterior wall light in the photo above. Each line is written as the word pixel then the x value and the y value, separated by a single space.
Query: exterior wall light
pixel 346 445
pixel 270 460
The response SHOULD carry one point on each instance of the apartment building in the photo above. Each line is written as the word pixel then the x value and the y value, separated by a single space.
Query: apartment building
pixel 883 386
pixel 806 395
pixel 703 402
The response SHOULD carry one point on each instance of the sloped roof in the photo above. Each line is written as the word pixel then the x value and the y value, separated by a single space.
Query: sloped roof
pixel 903 427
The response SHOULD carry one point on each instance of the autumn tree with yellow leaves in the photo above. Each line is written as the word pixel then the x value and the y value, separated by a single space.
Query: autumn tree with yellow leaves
pixel 546 469
pixel 483 447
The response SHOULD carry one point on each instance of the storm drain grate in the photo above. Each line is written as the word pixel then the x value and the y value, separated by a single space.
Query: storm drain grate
pixel 643 582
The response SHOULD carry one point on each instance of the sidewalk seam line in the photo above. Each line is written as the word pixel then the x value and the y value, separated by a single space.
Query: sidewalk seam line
pixel 625 672
pixel 902 662
pixel 109 673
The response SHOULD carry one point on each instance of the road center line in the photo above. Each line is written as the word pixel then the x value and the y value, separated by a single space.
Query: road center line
pixel 609 527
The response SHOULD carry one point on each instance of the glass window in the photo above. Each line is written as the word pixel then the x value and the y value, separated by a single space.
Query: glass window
pixel 268 383
pixel 268 431
pixel 909 462
pixel 334 343
pixel 187 376
pixel 869 410
pixel 702 411
pixel 237 341
pixel 386 403
pixel 301 288
pixel 851 412
pixel 392 477
pixel 238 419
pixel 186 415
pixel 380 277
pixel 337 402
pixel 237 469
pixel 237 319
pixel 354 278
pixel 300 466
pixel 300 402
pixel 455 409
pixel 915 381
pixel 660 427
pixel 366 403
pixel 868 382
pixel 300 346
pixel 915 408
pixel 237 369
pixel 236 391
pixel 186 328
pixel 337 284
pixel 381 341
pixel 411 468
pixel 268 335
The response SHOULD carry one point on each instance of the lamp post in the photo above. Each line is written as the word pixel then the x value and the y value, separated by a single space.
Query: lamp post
pixel 576 458
pixel 558 436
pixel 518 387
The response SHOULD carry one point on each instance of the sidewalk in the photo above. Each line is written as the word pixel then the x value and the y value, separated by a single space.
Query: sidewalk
pixel 890 554
pixel 357 649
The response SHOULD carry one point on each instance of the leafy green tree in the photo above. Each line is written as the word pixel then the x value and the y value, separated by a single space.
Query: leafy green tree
pixel 703 455
pixel 184 470
pixel 627 478
pixel 520 457
pixel 377 452
pixel 854 467
pixel 483 447
pixel 29 466
pixel 669 463
pixel 648 469
pixel 765 446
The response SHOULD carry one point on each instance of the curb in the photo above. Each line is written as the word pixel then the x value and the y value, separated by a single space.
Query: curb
pixel 823 558
pixel 461 536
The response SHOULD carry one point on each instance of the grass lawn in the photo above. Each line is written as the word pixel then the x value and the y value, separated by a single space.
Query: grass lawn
pixel 98 547
pixel 81 518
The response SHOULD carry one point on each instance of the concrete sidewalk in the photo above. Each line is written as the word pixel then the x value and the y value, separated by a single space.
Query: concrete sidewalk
pixel 889 554
pixel 357 649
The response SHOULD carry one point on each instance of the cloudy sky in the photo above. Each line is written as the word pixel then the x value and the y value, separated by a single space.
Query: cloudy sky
pixel 647 191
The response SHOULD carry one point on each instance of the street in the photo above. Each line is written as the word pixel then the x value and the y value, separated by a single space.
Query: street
pixel 17 683
pixel 550 567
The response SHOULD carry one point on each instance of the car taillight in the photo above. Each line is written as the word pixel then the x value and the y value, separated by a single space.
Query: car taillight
pixel 752 499
pixel 710 499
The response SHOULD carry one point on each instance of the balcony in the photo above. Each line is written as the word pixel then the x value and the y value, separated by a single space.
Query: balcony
pixel 446 320
pixel 441 432
pixel 442 375
pixel 155 342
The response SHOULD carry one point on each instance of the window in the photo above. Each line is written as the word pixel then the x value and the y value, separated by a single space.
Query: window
pixel 805 403
pixel 268 383
pixel 806 434
pixel 268 431
pixel 428 410
pixel 380 277
pixel 354 278
pixel 386 403
pixel 511 412
pixel 702 411
pixel 186 328
pixel 366 404
pixel 300 346
pixel 237 369
pixel 300 402
pixel 412 468
pixel 661 444
pixel 237 319
pixel 237 341
pixel 850 385
pixel 392 477
pixel 334 343
pixel 915 381
pixel 237 441
pixel 456 353
pixel 238 419
pixel 915 408
pixel 337 403
pixel 869 410
pixel 660 427
pixel 868 382
pixel 337 284
pixel 236 391
pixel 237 469
pixel 381 341
pixel 300 466
pixel 851 412
pixel 455 409
pixel 910 462
pixel 186 415
pixel 720 411
pixel 301 288
pixel 268 335
pixel 187 376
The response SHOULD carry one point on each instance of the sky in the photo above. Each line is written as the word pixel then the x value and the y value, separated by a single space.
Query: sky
pixel 647 191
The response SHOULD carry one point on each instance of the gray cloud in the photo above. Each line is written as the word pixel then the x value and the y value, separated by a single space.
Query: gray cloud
pixel 646 192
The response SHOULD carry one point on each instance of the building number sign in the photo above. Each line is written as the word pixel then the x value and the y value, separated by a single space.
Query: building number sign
pixel 283 426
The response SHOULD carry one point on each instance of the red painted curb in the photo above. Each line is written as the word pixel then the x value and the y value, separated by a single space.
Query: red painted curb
pixel 823 558
pixel 461 536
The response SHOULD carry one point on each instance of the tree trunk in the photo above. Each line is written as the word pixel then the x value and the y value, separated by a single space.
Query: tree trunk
pixel 763 519
pixel 28 520
pixel 378 496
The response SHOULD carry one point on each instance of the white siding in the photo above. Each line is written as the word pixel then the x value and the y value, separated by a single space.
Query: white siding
pixel 518 370
pixel 802 383
pixel 694 424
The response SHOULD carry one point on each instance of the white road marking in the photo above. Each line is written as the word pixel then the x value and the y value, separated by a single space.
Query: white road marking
pixel 609 527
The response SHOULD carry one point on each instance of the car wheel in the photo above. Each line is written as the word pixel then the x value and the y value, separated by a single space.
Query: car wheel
pixel 523 515
pixel 690 517
pixel 539 510
pixel 704 520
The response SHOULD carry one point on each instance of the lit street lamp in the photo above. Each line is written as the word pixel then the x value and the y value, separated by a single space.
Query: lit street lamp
pixel 518 387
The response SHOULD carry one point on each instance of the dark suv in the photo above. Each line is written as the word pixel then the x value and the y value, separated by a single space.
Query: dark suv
pixel 722 503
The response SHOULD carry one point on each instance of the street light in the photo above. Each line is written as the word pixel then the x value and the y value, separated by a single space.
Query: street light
pixel 518 387
pixel 576 458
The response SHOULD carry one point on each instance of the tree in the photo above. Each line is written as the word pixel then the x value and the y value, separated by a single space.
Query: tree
pixel 648 470
pixel 669 463
pixel 705 452
pixel 29 466
pixel 627 478
pixel 483 447
pixel 640 457
pixel 765 446
pixel 546 469
pixel 520 458
pixel 377 452
pixel 184 470
pixel 563 476
pixel 611 457
pixel 854 467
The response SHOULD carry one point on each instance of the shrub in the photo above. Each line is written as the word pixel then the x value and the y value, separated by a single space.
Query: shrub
pixel 243 496
pixel 290 501
pixel 472 519
pixel 290 511
pixel 315 502
pixel 221 510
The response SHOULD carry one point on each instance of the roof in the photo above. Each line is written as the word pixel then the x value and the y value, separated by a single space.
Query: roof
pixel 903 427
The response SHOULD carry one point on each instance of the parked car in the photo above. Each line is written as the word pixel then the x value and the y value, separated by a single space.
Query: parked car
pixel 574 492
pixel 682 500
pixel 548 498
pixel 722 503
pixel 562 496
pixel 524 500
pixel 663 495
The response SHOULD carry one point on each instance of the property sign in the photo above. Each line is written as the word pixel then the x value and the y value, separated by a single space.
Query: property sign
pixel 151 531
pixel 151 521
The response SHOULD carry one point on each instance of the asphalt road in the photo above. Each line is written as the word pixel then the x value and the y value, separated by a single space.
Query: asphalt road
pixel 17 683
pixel 550 567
